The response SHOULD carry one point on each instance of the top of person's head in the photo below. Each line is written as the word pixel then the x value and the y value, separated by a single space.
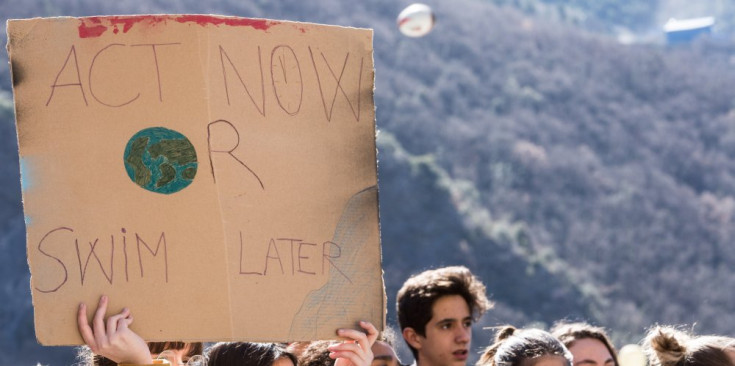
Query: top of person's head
pixel 195 348
pixel 568 333
pixel 87 357
pixel 297 348
pixel 387 335
pixel 418 294
pixel 383 352
pixel 514 346
pixel 316 354
pixel 669 346
pixel 246 354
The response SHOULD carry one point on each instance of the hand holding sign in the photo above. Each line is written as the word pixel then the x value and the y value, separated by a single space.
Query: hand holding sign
pixel 356 352
pixel 112 338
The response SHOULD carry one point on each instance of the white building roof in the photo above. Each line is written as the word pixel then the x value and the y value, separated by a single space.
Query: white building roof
pixel 674 25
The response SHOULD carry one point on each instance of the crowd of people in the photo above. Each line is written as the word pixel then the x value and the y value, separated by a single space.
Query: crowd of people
pixel 436 310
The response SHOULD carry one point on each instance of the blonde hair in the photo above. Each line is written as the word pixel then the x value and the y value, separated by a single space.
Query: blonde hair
pixel 669 346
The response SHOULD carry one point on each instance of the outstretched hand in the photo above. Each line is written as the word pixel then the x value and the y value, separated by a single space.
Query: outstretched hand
pixel 112 338
pixel 356 351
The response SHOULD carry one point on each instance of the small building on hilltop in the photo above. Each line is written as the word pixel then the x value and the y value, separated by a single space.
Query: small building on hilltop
pixel 686 30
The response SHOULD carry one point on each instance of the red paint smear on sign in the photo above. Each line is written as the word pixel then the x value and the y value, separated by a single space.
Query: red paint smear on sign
pixel 203 20
pixel 90 27
pixel 87 31
pixel 127 22
pixel 94 27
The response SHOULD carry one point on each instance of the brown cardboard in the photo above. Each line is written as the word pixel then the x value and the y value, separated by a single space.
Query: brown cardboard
pixel 276 237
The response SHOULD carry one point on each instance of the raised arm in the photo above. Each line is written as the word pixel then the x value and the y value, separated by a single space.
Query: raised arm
pixel 112 338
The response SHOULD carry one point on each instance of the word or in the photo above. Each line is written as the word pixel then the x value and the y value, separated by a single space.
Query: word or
pixel 97 248
pixel 228 152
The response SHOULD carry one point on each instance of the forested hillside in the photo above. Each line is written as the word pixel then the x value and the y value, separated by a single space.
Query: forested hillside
pixel 577 176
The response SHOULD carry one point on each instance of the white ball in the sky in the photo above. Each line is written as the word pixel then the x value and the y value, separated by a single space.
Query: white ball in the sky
pixel 416 20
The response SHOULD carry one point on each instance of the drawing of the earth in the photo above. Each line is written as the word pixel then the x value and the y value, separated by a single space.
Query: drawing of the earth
pixel 160 160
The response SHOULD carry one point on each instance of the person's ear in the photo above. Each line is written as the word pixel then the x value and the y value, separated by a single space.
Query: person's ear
pixel 413 338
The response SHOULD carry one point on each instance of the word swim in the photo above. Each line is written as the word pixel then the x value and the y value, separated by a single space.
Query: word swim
pixel 134 248
pixel 282 78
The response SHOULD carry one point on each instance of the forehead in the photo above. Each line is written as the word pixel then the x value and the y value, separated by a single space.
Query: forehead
pixel 174 353
pixel 588 344
pixel 589 348
pixel 450 307
pixel 381 348
pixel 731 355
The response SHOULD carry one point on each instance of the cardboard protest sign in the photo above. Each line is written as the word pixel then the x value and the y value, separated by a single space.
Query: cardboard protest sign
pixel 216 175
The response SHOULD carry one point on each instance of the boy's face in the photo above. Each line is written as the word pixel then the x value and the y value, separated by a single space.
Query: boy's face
pixel 448 334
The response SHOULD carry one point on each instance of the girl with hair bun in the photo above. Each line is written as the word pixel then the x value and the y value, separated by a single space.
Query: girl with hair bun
pixel 525 347
pixel 668 346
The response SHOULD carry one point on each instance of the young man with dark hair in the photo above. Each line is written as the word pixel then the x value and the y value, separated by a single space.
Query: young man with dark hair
pixel 436 309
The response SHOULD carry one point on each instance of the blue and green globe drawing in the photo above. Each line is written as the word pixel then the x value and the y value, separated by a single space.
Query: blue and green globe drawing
pixel 160 160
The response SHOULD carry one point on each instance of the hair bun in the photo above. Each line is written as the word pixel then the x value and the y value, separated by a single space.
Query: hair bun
pixel 668 344
pixel 488 356
pixel 505 332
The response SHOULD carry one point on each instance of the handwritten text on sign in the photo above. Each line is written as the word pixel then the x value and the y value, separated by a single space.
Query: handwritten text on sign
pixel 204 157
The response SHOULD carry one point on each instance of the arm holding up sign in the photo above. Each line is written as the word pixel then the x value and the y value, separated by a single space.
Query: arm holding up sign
pixel 112 338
